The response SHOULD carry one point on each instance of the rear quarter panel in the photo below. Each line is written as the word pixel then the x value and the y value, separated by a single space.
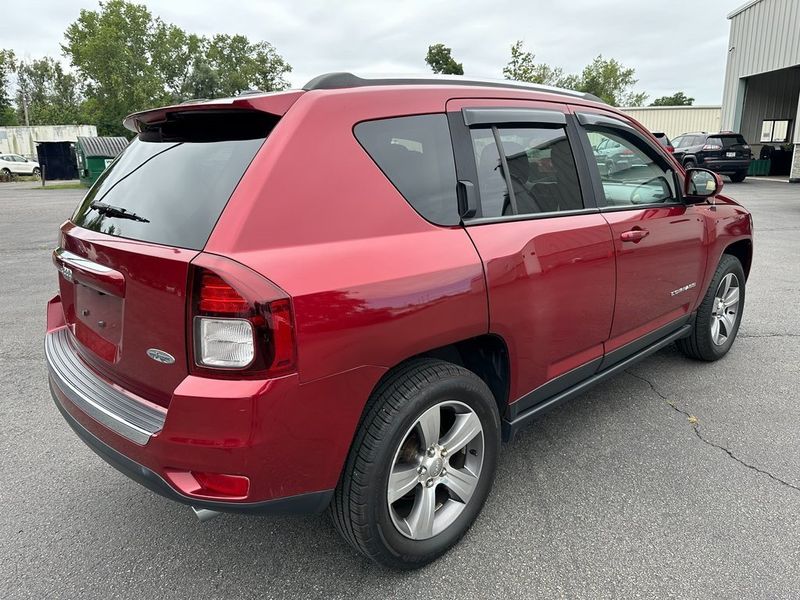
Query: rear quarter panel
pixel 372 282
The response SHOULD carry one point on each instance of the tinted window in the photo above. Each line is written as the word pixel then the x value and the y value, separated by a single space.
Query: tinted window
pixel 416 155
pixel 539 165
pixel 632 173
pixel 176 190
pixel 727 141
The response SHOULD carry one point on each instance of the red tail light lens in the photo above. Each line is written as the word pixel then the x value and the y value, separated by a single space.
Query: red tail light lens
pixel 216 296
pixel 240 324
pixel 670 149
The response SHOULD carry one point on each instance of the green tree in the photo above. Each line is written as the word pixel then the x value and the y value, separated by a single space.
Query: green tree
pixel 523 67
pixel 131 60
pixel 115 51
pixel 242 65
pixel 677 99
pixel 202 82
pixel 440 60
pixel 610 81
pixel 7 67
pixel 52 95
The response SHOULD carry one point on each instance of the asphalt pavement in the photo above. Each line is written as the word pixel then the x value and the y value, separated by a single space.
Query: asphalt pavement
pixel 675 480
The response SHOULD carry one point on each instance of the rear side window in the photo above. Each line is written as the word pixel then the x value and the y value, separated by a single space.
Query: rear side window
pixel 416 154
pixel 727 141
pixel 535 173
pixel 173 182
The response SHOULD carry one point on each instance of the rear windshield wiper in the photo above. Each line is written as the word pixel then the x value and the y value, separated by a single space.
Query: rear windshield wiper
pixel 116 212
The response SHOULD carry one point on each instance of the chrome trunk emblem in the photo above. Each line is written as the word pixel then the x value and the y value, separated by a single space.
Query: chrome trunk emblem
pixel 161 356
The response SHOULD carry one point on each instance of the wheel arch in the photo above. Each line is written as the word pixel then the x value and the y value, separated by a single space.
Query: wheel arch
pixel 485 355
pixel 742 250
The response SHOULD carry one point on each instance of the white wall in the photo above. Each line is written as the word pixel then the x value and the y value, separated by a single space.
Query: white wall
pixel 675 120
pixel 22 140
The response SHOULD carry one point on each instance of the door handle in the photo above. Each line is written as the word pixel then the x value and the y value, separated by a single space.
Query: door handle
pixel 634 235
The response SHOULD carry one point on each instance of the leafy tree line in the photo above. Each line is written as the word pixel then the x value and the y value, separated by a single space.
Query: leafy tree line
pixel 606 78
pixel 122 59
pixel 125 59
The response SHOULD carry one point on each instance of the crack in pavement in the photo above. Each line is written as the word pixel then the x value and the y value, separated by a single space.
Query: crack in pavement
pixel 696 427
pixel 769 335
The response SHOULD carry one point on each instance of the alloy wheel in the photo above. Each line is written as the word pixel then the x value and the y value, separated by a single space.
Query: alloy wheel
pixel 725 309
pixel 435 470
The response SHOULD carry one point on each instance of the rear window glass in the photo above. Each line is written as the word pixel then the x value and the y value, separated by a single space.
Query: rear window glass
pixel 726 141
pixel 416 154
pixel 171 184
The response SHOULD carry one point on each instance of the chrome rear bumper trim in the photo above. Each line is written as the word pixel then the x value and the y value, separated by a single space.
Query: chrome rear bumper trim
pixel 123 413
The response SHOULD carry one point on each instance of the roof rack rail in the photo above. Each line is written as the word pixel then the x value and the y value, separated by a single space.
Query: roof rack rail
pixel 343 80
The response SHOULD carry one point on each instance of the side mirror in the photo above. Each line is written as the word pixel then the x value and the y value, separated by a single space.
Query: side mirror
pixel 701 184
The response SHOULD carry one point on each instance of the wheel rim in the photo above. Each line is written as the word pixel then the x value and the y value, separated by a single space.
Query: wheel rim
pixel 436 470
pixel 726 308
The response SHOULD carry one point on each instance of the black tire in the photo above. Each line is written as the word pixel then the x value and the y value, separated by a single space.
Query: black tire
pixel 359 509
pixel 5 174
pixel 36 172
pixel 689 163
pixel 739 177
pixel 700 344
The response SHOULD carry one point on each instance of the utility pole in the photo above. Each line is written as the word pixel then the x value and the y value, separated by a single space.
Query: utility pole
pixel 25 107
pixel 23 92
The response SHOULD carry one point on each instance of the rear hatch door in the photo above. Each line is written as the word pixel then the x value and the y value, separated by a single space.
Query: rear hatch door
pixel 732 146
pixel 124 256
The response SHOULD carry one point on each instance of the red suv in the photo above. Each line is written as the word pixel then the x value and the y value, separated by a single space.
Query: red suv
pixel 345 296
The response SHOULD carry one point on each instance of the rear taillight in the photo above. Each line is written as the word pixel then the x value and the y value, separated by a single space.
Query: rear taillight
pixel 240 324
pixel 670 149
pixel 712 147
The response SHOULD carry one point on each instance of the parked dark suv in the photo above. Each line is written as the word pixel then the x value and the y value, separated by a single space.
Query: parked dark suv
pixel 724 153
pixel 345 296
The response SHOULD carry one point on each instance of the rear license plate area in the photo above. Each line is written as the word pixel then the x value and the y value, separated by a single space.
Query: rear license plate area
pixel 98 321
pixel 730 154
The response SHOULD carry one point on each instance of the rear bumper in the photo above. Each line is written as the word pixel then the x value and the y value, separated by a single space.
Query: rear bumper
pixel 303 503
pixel 726 166
pixel 289 439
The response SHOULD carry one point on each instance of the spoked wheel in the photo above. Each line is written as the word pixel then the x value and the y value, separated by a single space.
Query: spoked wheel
pixel 719 314
pixel 725 310
pixel 434 476
pixel 421 465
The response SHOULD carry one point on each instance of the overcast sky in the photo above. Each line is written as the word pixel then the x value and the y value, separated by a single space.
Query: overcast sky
pixel 673 45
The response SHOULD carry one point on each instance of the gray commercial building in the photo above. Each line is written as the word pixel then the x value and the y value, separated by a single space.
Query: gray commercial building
pixel 761 99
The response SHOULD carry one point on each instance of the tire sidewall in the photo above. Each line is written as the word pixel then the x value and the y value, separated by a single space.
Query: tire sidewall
pixel 727 265
pixel 475 395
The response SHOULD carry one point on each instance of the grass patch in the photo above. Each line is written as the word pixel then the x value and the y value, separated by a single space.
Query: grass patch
pixel 61 186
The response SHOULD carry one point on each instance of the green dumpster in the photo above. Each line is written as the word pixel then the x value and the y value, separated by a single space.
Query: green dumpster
pixel 94 154
pixel 759 167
